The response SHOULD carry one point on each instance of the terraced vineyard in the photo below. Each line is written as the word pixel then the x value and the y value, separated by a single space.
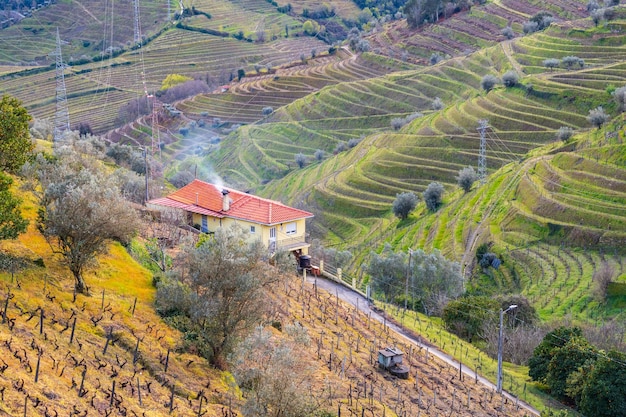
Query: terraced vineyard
pixel 87 25
pixel 251 17
pixel 96 90
pixel 468 31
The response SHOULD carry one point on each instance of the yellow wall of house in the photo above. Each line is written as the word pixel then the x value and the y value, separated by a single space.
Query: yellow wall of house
pixel 262 232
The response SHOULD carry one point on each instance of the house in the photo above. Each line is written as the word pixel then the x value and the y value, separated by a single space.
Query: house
pixel 209 207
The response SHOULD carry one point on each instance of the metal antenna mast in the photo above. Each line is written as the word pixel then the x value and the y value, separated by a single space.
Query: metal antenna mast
pixel 62 116
pixel 483 125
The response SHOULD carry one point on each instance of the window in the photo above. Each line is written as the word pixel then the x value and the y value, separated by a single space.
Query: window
pixel 291 228
pixel 252 229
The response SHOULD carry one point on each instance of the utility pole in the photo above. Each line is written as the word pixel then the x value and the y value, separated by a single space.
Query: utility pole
pixel 61 117
pixel 500 337
pixel 145 161
pixel 137 27
pixel 483 125
pixel 406 288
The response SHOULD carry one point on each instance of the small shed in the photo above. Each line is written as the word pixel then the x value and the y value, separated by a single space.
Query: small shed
pixel 389 357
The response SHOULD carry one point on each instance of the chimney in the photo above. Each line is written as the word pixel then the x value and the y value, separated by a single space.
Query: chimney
pixel 225 200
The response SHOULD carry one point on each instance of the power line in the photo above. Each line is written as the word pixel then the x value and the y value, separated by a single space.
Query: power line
pixel 61 117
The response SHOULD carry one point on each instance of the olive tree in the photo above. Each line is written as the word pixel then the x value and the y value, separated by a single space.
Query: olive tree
pixel 467 177
pixel 300 159
pixel 388 271
pixel 81 211
pixel 564 133
pixel 598 117
pixel 488 82
pixel 510 79
pixel 551 63
pixel 619 95
pixel 404 204
pixel 228 283
pixel 433 196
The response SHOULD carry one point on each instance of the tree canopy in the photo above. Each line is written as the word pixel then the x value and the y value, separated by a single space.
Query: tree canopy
pixel 11 221
pixel 432 279
pixel 222 293
pixel 404 204
pixel 15 143
pixel 81 210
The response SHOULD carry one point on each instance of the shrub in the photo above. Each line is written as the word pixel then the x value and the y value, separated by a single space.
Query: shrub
pixel 597 15
pixel 488 82
pixel 592 5
pixel 353 142
pixel 404 204
pixel 467 177
pixel 183 131
pixel 341 146
pixel 564 133
pixel 319 154
pixel 597 117
pixel 241 73
pixel 397 123
pixel 300 159
pixel 437 104
pixel 435 57
pixel 508 32
pixel 510 79
pixel 543 20
pixel 433 196
pixel 268 110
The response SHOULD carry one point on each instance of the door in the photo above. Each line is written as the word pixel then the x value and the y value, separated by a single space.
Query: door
pixel 205 224
pixel 272 244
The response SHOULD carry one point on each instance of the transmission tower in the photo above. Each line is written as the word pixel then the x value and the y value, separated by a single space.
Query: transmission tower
pixel 483 125
pixel 137 27
pixel 62 116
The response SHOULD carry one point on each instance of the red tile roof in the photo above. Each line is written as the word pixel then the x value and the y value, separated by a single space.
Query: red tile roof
pixel 207 199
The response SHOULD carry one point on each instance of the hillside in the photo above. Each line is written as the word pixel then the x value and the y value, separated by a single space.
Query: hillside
pixel 338 130
pixel 110 352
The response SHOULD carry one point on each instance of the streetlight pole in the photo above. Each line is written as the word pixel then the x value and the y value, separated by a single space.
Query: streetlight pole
pixel 406 287
pixel 499 381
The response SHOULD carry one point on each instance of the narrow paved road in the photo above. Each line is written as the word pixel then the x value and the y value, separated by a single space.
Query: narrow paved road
pixel 356 299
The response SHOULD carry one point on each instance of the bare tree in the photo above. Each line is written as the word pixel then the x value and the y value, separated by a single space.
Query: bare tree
pixel 520 341
pixel 275 373
pixel 81 210
pixel 602 277
pixel 165 231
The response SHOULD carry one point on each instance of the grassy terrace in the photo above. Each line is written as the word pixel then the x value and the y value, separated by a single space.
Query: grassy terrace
pixel 249 16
